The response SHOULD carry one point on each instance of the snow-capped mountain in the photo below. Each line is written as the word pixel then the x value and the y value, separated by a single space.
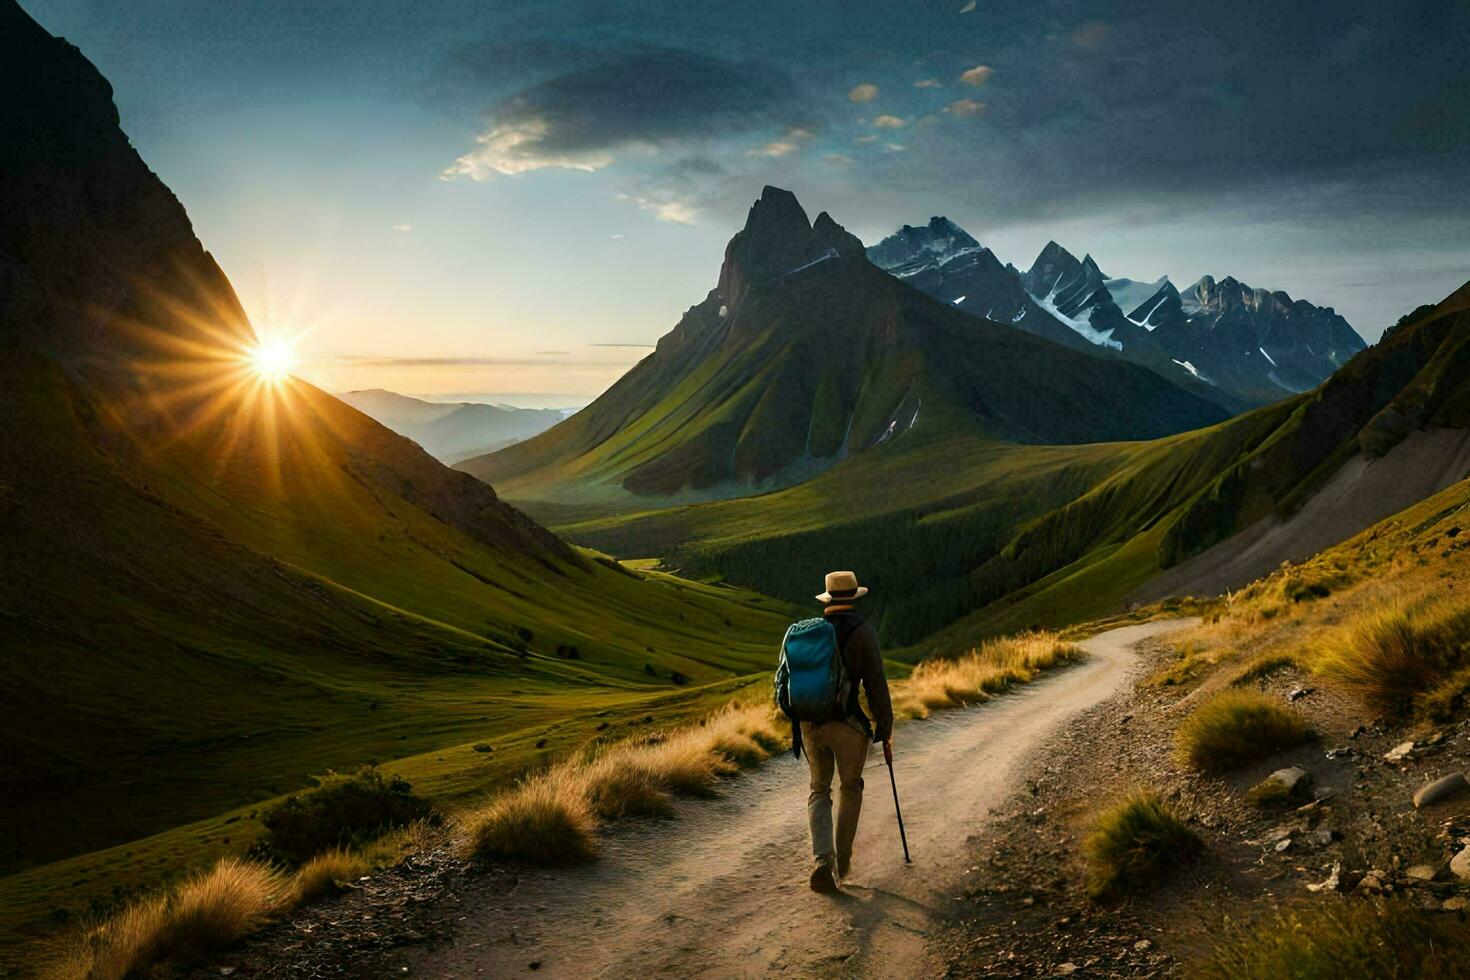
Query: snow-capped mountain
pixel 942 260
pixel 1256 340
pixel 1254 345
pixel 1077 293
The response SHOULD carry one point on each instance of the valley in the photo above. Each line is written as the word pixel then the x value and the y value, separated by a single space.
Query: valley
pixel 359 684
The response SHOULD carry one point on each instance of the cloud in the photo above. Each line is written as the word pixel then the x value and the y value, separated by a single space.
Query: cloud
pixel 866 92
pixel 866 138
pixel 839 159
pixel 978 75
pixel 965 108
pixel 666 205
pixel 403 227
pixel 552 353
pixel 617 236
pixel 928 83
pixel 890 122
pixel 642 99
pixel 647 346
pixel 794 140
pixel 968 8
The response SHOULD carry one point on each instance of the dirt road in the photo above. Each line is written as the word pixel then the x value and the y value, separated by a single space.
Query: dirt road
pixel 721 891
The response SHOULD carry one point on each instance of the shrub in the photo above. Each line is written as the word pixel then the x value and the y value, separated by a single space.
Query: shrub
pixel 1343 939
pixel 1393 657
pixel 1237 727
pixel 208 911
pixel 341 812
pixel 545 820
pixel 1134 842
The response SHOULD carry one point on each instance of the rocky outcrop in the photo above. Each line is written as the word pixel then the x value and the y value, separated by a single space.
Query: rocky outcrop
pixel 99 264
pixel 777 240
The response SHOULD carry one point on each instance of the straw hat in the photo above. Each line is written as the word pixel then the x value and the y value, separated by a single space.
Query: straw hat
pixel 842 586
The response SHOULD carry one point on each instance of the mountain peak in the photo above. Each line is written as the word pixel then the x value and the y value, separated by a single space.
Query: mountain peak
pixel 938 240
pixel 1054 255
pixel 82 214
pixel 776 209
pixel 778 238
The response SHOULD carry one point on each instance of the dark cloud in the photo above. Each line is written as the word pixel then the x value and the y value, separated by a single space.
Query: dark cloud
pixel 1117 99
pixel 648 97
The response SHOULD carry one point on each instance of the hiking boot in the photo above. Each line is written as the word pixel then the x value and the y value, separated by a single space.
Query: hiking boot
pixel 823 878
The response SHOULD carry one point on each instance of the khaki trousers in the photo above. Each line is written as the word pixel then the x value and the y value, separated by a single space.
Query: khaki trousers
pixel 839 746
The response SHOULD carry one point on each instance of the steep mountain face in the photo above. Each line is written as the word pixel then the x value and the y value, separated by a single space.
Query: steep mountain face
pixel 943 261
pixel 452 432
pixel 1251 346
pixel 216 582
pixel 1076 292
pixel 778 240
pixel 810 354
pixel 1254 341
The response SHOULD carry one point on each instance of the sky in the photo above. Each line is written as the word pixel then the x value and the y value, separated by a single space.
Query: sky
pixel 446 196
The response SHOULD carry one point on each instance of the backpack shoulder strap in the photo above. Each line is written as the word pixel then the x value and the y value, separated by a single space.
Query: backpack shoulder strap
pixel 845 624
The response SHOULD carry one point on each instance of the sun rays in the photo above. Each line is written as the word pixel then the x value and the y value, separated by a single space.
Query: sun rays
pixel 273 360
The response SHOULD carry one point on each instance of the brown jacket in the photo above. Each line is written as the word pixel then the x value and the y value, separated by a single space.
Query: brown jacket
pixel 865 666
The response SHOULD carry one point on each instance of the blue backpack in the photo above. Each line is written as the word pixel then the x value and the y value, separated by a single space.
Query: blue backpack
pixel 811 679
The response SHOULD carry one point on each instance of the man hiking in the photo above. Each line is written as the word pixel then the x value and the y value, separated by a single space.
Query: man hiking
pixel 823 664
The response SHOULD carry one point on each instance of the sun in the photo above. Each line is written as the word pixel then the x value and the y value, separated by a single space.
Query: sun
pixel 273 360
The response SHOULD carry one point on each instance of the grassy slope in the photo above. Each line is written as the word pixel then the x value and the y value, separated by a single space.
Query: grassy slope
pixel 811 369
pixel 921 519
pixel 976 537
pixel 217 628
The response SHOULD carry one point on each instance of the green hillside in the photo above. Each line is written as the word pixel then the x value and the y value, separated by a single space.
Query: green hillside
pixel 778 376
pixel 217 587
pixel 993 536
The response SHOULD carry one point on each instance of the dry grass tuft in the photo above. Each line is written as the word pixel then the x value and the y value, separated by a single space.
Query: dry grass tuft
pixel 1343 939
pixel 1237 727
pixel 546 820
pixel 326 873
pixel 208 911
pixel 552 818
pixel 984 672
pixel 1397 657
pixel 1134 842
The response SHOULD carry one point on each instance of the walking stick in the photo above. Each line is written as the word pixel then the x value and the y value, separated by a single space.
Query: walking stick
pixel 888 758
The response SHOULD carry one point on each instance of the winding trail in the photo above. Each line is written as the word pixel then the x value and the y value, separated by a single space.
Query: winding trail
pixel 721 891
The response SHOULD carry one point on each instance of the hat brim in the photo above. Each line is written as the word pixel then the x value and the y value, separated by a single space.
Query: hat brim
pixel 862 590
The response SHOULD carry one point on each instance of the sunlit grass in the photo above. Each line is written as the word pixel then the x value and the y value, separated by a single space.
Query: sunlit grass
pixel 1398 657
pixel 208 911
pixel 1342 939
pixel 1236 727
pixel 552 817
pixel 982 673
